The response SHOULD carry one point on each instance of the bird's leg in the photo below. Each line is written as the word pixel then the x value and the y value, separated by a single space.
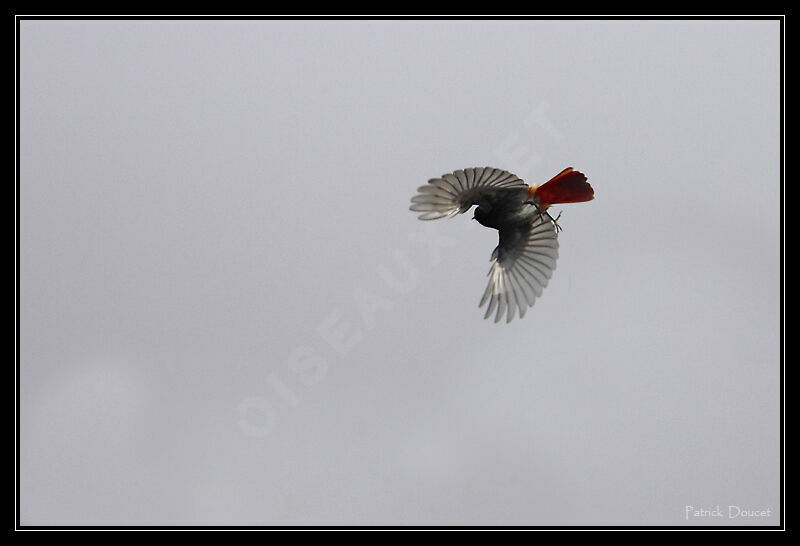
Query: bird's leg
pixel 555 220
pixel 545 213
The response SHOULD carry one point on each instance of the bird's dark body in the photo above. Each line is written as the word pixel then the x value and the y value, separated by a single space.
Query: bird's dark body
pixel 506 209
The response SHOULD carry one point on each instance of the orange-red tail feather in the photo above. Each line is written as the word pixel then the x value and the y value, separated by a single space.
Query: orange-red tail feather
pixel 568 186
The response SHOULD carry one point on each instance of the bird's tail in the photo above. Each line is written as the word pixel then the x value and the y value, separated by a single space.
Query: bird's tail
pixel 568 186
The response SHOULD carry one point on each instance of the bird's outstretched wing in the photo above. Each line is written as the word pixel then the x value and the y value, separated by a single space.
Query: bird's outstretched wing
pixel 456 192
pixel 524 262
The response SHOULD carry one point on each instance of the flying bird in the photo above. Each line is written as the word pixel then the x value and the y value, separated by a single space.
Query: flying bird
pixel 526 255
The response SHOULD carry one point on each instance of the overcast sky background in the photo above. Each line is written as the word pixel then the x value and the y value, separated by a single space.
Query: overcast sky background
pixel 228 314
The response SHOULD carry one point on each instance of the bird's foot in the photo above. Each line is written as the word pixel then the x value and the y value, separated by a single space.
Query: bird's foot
pixel 555 221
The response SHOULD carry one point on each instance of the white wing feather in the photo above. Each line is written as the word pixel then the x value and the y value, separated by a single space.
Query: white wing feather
pixel 456 192
pixel 519 275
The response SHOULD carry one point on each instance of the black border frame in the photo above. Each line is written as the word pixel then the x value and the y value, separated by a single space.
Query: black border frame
pixel 19 18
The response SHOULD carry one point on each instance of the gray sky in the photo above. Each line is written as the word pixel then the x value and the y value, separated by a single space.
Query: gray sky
pixel 229 315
